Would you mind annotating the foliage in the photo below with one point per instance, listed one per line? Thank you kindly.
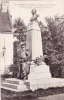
(20, 29)
(19, 32)
(3, 76)
(38, 60)
(53, 41)
(14, 69)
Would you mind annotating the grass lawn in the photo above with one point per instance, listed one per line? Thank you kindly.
(30, 95)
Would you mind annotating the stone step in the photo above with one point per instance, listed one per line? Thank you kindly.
(9, 85)
(14, 87)
(15, 84)
(15, 90)
(18, 82)
(14, 81)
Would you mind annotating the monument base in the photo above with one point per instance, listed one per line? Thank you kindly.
(38, 72)
(20, 85)
(40, 77)
(46, 83)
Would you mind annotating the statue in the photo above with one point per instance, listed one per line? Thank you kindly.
(34, 15)
(33, 38)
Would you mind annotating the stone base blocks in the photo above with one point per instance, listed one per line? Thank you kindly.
(40, 77)
(46, 83)
(15, 85)
(38, 72)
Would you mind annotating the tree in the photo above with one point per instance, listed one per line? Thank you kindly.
(53, 43)
(57, 30)
(19, 32)
(20, 29)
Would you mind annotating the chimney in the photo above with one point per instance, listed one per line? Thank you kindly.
(5, 5)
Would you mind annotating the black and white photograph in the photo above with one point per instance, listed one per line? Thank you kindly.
(31, 50)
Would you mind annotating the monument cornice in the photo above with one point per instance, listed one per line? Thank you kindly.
(33, 29)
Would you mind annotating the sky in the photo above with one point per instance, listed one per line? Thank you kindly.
(45, 8)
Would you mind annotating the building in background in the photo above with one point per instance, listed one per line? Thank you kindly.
(6, 37)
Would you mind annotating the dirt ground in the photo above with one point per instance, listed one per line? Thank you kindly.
(40, 94)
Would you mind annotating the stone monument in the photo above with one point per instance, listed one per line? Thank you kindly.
(34, 42)
(34, 45)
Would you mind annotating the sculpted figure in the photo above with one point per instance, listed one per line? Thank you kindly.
(34, 15)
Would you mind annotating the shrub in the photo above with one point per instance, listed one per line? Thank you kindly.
(3, 76)
(14, 69)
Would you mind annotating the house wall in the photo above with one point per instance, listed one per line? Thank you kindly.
(6, 59)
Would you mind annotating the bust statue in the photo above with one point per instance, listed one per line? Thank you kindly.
(34, 15)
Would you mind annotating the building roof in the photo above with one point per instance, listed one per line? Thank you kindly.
(5, 23)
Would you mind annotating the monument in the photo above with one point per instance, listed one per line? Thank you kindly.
(34, 45)
(34, 42)
(40, 76)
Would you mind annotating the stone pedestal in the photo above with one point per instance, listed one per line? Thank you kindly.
(40, 77)
(38, 74)
(34, 41)
(41, 71)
